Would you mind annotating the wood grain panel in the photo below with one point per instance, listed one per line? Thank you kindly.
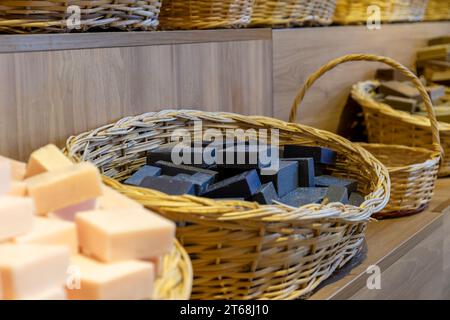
(47, 96)
(416, 275)
(70, 41)
(299, 52)
(390, 240)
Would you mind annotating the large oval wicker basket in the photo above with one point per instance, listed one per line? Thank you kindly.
(36, 16)
(239, 249)
(413, 170)
(356, 11)
(205, 14)
(277, 13)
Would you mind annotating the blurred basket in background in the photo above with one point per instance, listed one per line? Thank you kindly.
(437, 10)
(275, 13)
(409, 148)
(205, 14)
(35, 16)
(357, 12)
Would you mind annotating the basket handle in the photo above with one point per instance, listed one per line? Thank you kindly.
(369, 57)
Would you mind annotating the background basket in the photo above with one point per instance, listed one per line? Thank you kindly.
(437, 10)
(36, 16)
(355, 11)
(389, 126)
(278, 13)
(413, 170)
(205, 14)
(243, 250)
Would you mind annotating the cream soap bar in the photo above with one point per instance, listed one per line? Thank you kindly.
(124, 280)
(5, 176)
(28, 270)
(18, 169)
(122, 234)
(69, 213)
(48, 158)
(64, 187)
(18, 189)
(112, 199)
(51, 232)
(16, 216)
(57, 293)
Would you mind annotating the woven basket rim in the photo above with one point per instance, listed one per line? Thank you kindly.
(376, 200)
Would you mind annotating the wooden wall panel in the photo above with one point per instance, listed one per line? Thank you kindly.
(299, 52)
(47, 96)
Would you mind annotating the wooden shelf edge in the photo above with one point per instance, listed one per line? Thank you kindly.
(411, 231)
(73, 41)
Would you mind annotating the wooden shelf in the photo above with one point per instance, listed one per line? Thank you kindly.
(71, 41)
(387, 241)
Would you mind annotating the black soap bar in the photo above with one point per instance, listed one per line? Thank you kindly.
(319, 154)
(337, 194)
(302, 196)
(246, 157)
(145, 171)
(305, 171)
(285, 179)
(399, 89)
(328, 181)
(191, 156)
(244, 185)
(200, 180)
(356, 199)
(266, 194)
(171, 169)
(400, 103)
(169, 185)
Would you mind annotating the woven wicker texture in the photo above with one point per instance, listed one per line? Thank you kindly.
(243, 250)
(390, 126)
(413, 171)
(437, 10)
(292, 13)
(205, 14)
(355, 12)
(36, 16)
(175, 283)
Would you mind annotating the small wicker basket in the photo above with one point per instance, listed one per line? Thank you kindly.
(413, 170)
(205, 14)
(437, 10)
(35, 16)
(389, 126)
(356, 12)
(276, 13)
(239, 249)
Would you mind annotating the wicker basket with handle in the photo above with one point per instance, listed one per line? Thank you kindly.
(356, 12)
(276, 13)
(413, 170)
(37, 16)
(239, 249)
(205, 14)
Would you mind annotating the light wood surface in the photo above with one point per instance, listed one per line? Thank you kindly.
(48, 96)
(45, 42)
(299, 52)
(408, 250)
